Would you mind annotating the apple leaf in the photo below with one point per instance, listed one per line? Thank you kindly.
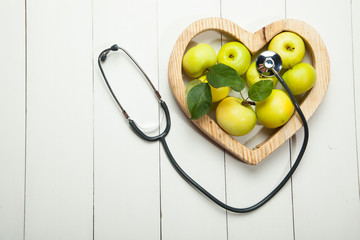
(260, 90)
(191, 84)
(199, 100)
(221, 75)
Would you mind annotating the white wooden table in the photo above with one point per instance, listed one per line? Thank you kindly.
(71, 168)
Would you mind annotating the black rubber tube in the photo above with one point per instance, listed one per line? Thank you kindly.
(273, 192)
(162, 136)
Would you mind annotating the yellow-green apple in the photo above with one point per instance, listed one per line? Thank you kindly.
(235, 55)
(198, 59)
(300, 78)
(253, 76)
(275, 110)
(235, 118)
(217, 94)
(290, 47)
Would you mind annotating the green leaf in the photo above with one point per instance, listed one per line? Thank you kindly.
(199, 100)
(221, 75)
(260, 90)
(191, 84)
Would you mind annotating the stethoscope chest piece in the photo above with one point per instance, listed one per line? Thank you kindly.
(267, 62)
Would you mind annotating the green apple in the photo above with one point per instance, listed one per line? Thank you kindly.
(235, 118)
(275, 110)
(253, 76)
(217, 94)
(290, 47)
(198, 59)
(235, 55)
(300, 78)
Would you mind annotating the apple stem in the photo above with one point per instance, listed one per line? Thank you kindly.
(246, 102)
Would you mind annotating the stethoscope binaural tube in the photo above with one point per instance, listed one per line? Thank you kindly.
(268, 64)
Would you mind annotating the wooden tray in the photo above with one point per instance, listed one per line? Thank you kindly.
(254, 42)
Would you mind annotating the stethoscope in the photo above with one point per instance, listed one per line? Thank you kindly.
(268, 64)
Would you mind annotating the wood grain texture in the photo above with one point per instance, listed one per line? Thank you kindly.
(254, 42)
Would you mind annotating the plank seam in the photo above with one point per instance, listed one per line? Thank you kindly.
(159, 120)
(224, 154)
(354, 92)
(25, 122)
(93, 119)
(291, 162)
(292, 190)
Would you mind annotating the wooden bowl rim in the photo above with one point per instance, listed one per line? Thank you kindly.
(254, 42)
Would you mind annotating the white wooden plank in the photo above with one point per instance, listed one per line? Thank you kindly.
(247, 185)
(355, 6)
(12, 120)
(186, 214)
(59, 192)
(127, 189)
(326, 196)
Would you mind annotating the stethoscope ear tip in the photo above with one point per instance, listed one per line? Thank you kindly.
(114, 47)
(105, 52)
(103, 57)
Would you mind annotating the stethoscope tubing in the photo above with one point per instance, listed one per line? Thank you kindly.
(197, 186)
(161, 137)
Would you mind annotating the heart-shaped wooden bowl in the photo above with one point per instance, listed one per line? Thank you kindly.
(254, 42)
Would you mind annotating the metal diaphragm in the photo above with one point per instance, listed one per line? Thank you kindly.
(267, 62)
